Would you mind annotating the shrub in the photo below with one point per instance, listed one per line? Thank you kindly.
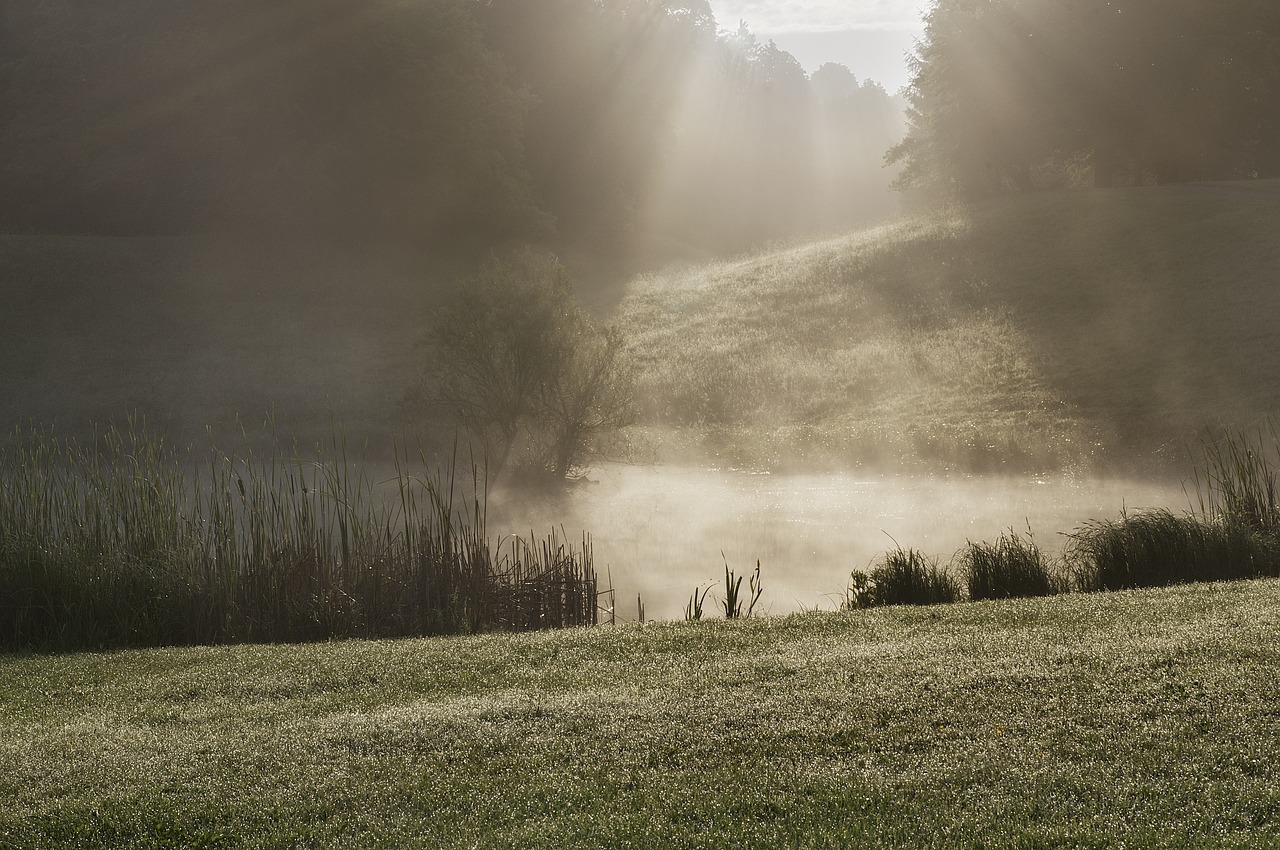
(901, 577)
(1007, 568)
(1155, 548)
(523, 369)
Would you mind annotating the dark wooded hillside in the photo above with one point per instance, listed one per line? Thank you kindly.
(1022, 94)
(610, 128)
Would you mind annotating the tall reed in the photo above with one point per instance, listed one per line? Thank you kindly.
(1156, 548)
(1236, 479)
(901, 577)
(1010, 567)
(125, 541)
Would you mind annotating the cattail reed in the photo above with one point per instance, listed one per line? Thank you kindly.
(125, 541)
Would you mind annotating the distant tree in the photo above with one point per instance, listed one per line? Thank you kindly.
(607, 77)
(981, 98)
(601, 127)
(651, 129)
(833, 83)
(761, 152)
(522, 368)
(853, 125)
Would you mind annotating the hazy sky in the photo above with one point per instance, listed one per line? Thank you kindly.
(869, 36)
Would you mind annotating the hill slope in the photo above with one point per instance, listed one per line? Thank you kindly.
(1057, 329)
(1065, 328)
(1142, 719)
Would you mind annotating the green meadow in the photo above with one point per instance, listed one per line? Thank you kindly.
(1134, 719)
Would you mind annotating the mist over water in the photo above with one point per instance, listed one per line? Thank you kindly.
(659, 531)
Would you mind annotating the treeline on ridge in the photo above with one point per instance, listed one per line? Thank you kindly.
(1025, 94)
(615, 124)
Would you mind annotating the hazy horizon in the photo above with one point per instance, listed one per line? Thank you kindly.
(871, 38)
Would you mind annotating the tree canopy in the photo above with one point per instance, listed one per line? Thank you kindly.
(515, 362)
(330, 116)
(610, 124)
(1016, 94)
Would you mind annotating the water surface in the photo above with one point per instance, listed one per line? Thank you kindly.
(660, 531)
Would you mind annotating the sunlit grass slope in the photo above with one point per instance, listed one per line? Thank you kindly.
(1062, 328)
(1137, 719)
(198, 331)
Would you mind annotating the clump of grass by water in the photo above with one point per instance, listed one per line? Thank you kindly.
(1236, 480)
(125, 541)
(901, 577)
(693, 609)
(1013, 566)
(1234, 535)
(1156, 548)
(734, 598)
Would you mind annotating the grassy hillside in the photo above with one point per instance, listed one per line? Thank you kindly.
(1141, 719)
(193, 332)
(1063, 328)
(1085, 328)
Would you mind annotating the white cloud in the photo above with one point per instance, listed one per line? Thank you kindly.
(776, 16)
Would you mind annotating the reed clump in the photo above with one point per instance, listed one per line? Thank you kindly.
(1156, 548)
(1236, 480)
(125, 541)
(901, 577)
(1232, 533)
(1011, 567)
(733, 596)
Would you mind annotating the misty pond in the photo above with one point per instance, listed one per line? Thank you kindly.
(659, 531)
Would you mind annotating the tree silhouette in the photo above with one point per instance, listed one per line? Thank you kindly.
(1147, 90)
(524, 371)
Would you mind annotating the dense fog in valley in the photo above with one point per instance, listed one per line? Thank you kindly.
(687, 277)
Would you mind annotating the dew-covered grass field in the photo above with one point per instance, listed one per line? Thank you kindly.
(1135, 719)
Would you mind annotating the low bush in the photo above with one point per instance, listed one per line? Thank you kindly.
(901, 577)
(1156, 548)
(1012, 566)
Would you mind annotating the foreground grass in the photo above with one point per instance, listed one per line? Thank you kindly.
(1135, 719)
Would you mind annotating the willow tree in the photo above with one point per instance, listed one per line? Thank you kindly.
(516, 363)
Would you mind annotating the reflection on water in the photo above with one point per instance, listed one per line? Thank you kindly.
(659, 531)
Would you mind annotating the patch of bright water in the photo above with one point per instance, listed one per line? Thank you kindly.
(659, 531)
